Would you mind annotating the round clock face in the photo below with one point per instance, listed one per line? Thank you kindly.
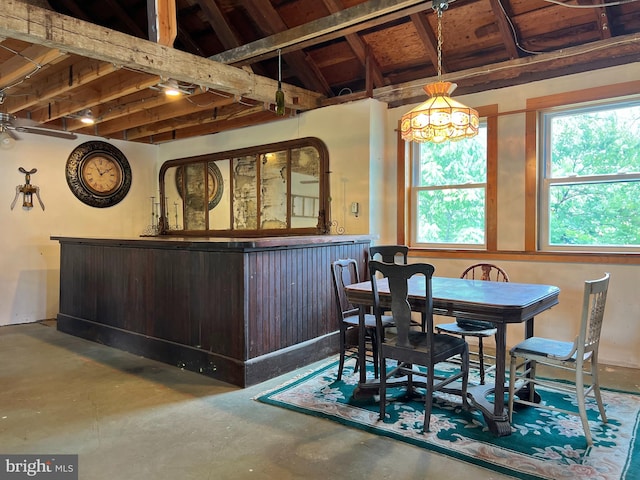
(101, 174)
(214, 181)
(98, 174)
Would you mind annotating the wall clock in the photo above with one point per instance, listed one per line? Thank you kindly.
(214, 181)
(98, 174)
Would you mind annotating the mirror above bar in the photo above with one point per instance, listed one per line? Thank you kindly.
(269, 190)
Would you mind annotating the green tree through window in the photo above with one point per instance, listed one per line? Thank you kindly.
(449, 192)
(591, 178)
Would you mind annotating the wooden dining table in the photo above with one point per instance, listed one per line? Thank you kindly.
(501, 303)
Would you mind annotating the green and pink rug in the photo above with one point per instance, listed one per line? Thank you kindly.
(543, 444)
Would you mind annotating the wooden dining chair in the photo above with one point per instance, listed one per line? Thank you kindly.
(479, 329)
(393, 254)
(345, 272)
(580, 357)
(412, 347)
(389, 253)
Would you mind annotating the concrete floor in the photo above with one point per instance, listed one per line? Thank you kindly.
(136, 419)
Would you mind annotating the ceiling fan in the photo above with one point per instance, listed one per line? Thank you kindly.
(10, 124)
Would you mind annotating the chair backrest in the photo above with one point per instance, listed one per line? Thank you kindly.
(485, 271)
(344, 272)
(398, 277)
(388, 253)
(595, 298)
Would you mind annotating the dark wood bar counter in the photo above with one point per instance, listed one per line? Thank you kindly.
(241, 310)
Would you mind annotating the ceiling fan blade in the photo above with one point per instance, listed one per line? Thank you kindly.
(23, 122)
(48, 132)
(9, 132)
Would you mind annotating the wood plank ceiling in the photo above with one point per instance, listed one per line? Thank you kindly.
(60, 57)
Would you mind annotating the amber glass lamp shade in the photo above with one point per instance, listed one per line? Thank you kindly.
(440, 118)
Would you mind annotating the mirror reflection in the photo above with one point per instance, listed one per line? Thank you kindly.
(276, 189)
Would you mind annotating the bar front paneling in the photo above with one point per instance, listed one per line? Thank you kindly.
(239, 310)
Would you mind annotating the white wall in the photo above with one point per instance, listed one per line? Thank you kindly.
(30, 261)
(361, 139)
(345, 129)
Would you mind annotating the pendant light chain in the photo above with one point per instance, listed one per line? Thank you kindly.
(440, 118)
(439, 45)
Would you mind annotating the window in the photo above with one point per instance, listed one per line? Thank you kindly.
(590, 178)
(449, 193)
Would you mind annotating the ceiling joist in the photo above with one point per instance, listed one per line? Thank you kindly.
(608, 52)
(36, 25)
(55, 59)
(318, 29)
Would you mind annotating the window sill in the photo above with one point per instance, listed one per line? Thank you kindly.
(557, 257)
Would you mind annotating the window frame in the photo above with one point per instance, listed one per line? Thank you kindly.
(417, 189)
(488, 116)
(535, 160)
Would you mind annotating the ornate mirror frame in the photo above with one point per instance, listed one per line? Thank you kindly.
(277, 189)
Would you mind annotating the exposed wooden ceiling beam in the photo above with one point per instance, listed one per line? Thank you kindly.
(219, 24)
(146, 114)
(70, 74)
(168, 110)
(337, 22)
(602, 17)
(37, 25)
(428, 38)
(27, 63)
(222, 124)
(264, 14)
(125, 18)
(359, 48)
(224, 111)
(598, 54)
(162, 21)
(120, 82)
(501, 9)
(221, 27)
(126, 106)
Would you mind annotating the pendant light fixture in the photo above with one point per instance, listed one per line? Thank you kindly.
(279, 92)
(440, 118)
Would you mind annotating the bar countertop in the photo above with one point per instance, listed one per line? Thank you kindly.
(215, 243)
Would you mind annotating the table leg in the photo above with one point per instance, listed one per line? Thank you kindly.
(493, 411)
(501, 353)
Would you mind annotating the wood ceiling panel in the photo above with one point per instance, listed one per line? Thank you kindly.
(383, 47)
(301, 12)
(519, 7)
(397, 47)
(627, 20)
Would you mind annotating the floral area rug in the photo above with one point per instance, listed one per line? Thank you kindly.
(544, 444)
